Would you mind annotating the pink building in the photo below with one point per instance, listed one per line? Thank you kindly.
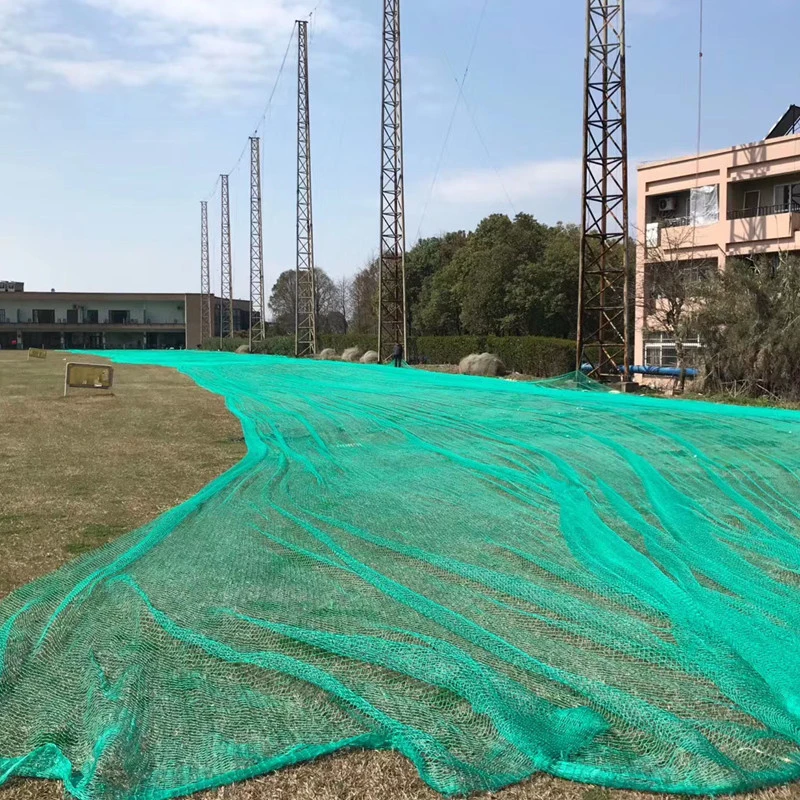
(732, 203)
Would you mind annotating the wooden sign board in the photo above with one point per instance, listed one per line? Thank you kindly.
(35, 352)
(88, 376)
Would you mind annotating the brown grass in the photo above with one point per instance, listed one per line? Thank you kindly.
(75, 473)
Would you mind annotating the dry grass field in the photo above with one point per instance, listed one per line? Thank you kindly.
(76, 472)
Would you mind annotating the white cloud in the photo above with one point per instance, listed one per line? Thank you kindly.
(208, 48)
(526, 182)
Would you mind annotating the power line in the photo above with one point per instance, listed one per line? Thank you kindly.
(267, 107)
(461, 97)
(700, 83)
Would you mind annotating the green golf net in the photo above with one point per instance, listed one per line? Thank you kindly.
(492, 578)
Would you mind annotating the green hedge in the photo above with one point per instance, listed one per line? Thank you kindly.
(529, 355)
(534, 355)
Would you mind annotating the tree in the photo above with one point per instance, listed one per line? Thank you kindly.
(544, 293)
(344, 288)
(327, 303)
(507, 278)
(671, 292)
(750, 328)
(428, 258)
(283, 302)
(364, 299)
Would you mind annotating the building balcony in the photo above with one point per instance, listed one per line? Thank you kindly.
(91, 327)
(764, 211)
(678, 233)
(763, 224)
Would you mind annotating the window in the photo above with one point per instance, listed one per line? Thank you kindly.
(752, 200)
(44, 316)
(660, 351)
(787, 197)
(678, 278)
(119, 317)
(92, 317)
(2, 315)
(72, 316)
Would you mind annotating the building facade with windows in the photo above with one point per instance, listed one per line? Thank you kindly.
(77, 321)
(697, 212)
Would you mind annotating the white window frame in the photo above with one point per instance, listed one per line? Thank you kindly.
(655, 347)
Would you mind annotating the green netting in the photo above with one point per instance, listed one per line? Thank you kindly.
(493, 578)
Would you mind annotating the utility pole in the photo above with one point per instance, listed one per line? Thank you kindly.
(257, 317)
(226, 266)
(206, 331)
(392, 326)
(604, 291)
(306, 294)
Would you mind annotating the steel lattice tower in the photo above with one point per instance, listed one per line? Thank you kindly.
(257, 316)
(306, 335)
(392, 282)
(226, 266)
(604, 293)
(206, 330)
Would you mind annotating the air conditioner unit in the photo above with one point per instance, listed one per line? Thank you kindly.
(668, 204)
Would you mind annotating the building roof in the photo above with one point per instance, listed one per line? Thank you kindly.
(787, 125)
(111, 297)
(75, 297)
(709, 153)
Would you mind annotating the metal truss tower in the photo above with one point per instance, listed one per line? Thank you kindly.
(306, 294)
(604, 292)
(392, 327)
(226, 266)
(206, 329)
(257, 315)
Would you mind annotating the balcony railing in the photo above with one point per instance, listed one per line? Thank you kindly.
(99, 323)
(765, 211)
(675, 222)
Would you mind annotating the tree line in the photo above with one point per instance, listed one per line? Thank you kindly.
(506, 278)
(519, 277)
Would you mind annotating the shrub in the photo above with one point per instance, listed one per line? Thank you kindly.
(530, 355)
(534, 355)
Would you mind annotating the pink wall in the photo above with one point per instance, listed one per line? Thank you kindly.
(729, 169)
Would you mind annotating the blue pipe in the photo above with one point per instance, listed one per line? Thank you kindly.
(661, 372)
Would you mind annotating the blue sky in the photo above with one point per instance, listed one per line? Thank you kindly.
(116, 116)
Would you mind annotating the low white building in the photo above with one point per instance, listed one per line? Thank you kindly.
(59, 320)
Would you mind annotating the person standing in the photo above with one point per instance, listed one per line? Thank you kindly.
(398, 355)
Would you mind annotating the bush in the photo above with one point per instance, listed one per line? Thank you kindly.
(534, 355)
(444, 349)
(530, 355)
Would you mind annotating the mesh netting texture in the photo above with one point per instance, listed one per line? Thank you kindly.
(493, 578)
